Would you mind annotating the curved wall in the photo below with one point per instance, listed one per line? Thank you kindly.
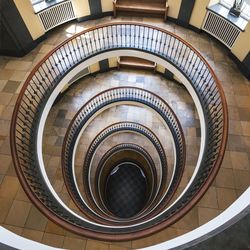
(199, 12)
(30, 19)
(241, 47)
(186, 13)
(81, 8)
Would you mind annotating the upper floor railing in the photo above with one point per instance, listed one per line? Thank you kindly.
(103, 100)
(40, 88)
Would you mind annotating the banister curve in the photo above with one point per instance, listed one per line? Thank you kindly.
(44, 78)
(103, 100)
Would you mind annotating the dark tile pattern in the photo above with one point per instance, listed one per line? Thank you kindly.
(126, 191)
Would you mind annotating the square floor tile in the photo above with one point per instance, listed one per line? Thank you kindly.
(18, 213)
(11, 86)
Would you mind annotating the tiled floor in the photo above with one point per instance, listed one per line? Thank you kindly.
(62, 112)
(20, 216)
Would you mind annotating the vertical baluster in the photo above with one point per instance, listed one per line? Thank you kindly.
(143, 37)
(104, 39)
(169, 46)
(62, 58)
(113, 36)
(90, 42)
(161, 43)
(48, 71)
(182, 55)
(97, 39)
(52, 65)
(176, 54)
(58, 62)
(187, 60)
(78, 47)
(67, 52)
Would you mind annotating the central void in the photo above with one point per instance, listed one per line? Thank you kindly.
(126, 191)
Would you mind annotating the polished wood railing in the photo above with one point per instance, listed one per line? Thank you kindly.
(122, 127)
(115, 96)
(44, 79)
(127, 152)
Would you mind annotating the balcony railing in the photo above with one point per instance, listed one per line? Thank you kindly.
(118, 128)
(44, 83)
(105, 100)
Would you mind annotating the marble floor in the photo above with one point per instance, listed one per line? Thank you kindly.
(20, 216)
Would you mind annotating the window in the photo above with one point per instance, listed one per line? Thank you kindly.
(245, 12)
(39, 5)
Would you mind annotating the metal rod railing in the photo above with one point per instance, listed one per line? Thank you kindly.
(44, 78)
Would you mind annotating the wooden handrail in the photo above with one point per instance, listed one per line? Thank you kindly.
(120, 126)
(103, 170)
(164, 111)
(29, 105)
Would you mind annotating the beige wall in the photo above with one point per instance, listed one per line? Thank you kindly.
(241, 46)
(112, 62)
(30, 19)
(160, 68)
(81, 8)
(94, 68)
(199, 13)
(107, 5)
(174, 7)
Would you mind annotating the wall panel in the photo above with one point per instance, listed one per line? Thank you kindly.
(95, 7)
(30, 19)
(174, 7)
(107, 5)
(185, 12)
(241, 46)
(81, 8)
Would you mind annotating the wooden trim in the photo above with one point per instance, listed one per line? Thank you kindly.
(143, 7)
(134, 62)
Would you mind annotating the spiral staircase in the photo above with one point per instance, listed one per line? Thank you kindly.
(129, 191)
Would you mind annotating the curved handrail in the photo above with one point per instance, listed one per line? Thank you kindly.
(103, 170)
(122, 127)
(44, 78)
(104, 100)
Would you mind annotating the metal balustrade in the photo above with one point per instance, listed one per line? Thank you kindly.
(104, 169)
(119, 128)
(135, 128)
(113, 97)
(42, 83)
